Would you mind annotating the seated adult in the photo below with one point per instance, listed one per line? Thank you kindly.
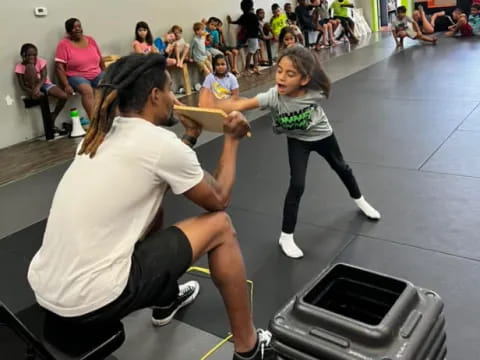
(437, 22)
(79, 63)
(340, 12)
(102, 255)
(461, 26)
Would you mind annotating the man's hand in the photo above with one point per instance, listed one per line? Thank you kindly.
(236, 125)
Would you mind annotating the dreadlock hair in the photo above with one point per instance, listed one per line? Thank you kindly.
(308, 64)
(25, 48)
(127, 83)
(148, 38)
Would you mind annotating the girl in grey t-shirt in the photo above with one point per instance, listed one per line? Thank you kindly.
(295, 106)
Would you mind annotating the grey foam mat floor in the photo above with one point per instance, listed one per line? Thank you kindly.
(411, 138)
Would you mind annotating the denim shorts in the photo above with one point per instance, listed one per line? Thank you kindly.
(253, 45)
(45, 88)
(76, 81)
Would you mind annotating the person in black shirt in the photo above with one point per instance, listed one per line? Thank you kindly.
(292, 17)
(305, 19)
(248, 34)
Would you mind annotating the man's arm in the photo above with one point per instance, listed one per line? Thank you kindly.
(213, 192)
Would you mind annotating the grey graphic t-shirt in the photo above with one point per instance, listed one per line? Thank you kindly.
(301, 118)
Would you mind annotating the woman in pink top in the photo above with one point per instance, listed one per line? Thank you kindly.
(33, 79)
(79, 63)
(143, 43)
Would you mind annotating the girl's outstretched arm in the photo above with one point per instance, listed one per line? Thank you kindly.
(208, 100)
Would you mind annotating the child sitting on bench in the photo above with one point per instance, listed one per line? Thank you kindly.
(33, 79)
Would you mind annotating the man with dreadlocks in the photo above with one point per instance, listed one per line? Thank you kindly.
(101, 257)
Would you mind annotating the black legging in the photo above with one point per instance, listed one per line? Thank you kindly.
(298, 153)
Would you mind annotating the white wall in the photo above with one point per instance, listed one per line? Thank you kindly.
(366, 5)
(110, 22)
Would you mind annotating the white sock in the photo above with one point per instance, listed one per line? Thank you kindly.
(367, 209)
(289, 247)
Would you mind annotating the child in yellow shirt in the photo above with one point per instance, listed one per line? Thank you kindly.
(279, 21)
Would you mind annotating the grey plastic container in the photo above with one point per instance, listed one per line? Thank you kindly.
(350, 313)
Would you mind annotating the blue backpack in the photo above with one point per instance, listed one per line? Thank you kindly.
(160, 45)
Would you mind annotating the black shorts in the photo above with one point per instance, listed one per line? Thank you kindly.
(157, 263)
(442, 23)
(345, 20)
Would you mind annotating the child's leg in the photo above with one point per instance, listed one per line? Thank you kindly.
(325, 34)
(261, 44)
(171, 62)
(330, 34)
(61, 97)
(248, 61)
(255, 65)
(209, 66)
(435, 16)
(298, 153)
(319, 38)
(186, 54)
(335, 24)
(205, 69)
(178, 56)
(328, 148)
(401, 36)
(428, 28)
(235, 53)
(231, 61)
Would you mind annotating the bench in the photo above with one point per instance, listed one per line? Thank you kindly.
(48, 125)
(46, 340)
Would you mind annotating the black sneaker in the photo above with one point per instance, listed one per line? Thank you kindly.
(161, 316)
(263, 351)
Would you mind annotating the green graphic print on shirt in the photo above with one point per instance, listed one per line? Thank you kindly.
(298, 120)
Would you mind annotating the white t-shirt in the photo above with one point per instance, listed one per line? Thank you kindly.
(101, 208)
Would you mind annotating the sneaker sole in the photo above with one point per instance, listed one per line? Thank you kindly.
(167, 320)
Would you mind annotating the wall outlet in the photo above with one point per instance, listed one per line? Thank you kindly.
(41, 11)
